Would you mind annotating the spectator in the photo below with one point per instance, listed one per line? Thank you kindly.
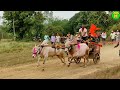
(46, 40)
(58, 38)
(99, 36)
(104, 36)
(112, 35)
(117, 35)
(53, 39)
(71, 37)
(118, 42)
(68, 35)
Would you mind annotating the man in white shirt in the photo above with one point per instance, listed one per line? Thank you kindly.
(57, 38)
(118, 42)
(83, 32)
(112, 35)
(104, 36)
(117, 35)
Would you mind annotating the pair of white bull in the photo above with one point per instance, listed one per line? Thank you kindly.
(73, 51)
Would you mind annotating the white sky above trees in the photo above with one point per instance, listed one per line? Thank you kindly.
(60, 14)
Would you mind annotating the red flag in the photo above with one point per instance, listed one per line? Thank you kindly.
(93, 28)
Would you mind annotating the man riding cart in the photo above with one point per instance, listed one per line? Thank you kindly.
(94, 44)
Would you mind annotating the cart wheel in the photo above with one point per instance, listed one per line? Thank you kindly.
(96, 59)
(77, 60)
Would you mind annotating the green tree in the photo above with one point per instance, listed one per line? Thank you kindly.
(55, 25)
(99, 18)
(24, 22)
(3, 32)
(38, 23)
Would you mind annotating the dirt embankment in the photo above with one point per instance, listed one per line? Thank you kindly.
(109, 73)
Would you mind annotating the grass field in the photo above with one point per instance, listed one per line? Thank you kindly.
(14, 53)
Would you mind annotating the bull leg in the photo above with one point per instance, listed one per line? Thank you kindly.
(38, 62)
(60, 59)
(44, 63)
(119, 52)
(70, 62)
(87, 59)
(64, 60)
(87, 56)
(84, 62)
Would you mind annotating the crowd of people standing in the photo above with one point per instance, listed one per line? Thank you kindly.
(81, 34)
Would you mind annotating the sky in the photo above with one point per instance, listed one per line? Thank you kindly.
(64, 14)
(60, 14)
(1, 14)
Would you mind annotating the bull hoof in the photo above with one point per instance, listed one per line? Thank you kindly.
(43, 69)
(64, 64)
(87, 63)
(68, 65)
(38, 65)
(84, 66)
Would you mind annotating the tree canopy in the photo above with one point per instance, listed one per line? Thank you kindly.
(25, 22)
(30, 23)
(86, 18)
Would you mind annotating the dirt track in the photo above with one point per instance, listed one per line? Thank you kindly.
(54, 69)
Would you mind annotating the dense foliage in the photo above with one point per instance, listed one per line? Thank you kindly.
(27, 23)
(86, 18)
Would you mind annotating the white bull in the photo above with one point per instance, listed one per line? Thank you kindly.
(48, 51)
(80, 50)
